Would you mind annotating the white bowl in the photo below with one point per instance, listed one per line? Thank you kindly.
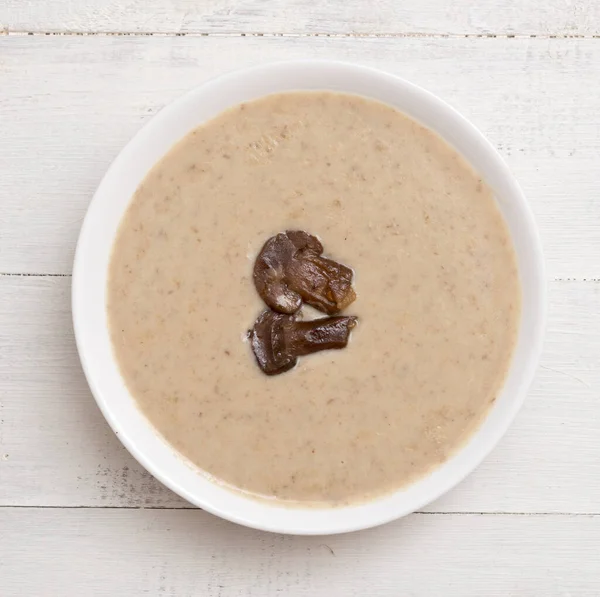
(92, 260)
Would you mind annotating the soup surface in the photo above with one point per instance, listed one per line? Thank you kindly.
(438, 298)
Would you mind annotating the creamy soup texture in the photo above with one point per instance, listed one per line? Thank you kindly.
(438, 298)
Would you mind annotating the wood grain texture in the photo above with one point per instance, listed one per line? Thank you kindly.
(479, 17)
(190, 553)
(57, 450)
(69, 104)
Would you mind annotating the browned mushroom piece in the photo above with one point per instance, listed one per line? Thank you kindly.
(278, 340)
(290, 269)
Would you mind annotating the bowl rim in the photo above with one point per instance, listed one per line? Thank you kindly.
(214, 497)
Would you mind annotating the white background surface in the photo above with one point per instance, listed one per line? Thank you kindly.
(78, 516)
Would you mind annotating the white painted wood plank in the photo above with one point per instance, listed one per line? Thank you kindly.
(68, 105)
(57, 450)
(562, 17)
(190, 553)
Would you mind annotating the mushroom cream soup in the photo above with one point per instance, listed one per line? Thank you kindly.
(431, 317)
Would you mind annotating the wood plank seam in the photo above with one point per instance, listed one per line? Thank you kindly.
(6, 31)
(417, 512)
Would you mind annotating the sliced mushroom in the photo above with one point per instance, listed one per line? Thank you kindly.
(278, 340)
(290, 269)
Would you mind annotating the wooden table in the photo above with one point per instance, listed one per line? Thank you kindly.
(78, 516)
